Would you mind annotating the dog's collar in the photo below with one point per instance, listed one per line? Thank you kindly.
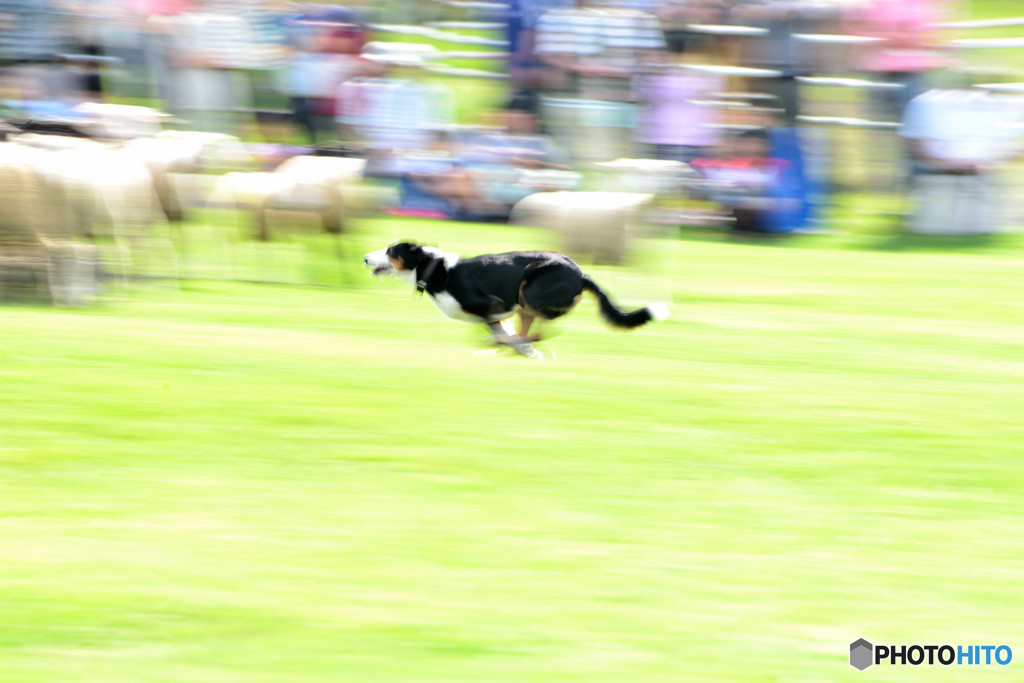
(428, 272)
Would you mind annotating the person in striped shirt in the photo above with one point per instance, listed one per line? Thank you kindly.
(596, 52)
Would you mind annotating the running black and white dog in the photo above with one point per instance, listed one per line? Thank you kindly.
(492, 288)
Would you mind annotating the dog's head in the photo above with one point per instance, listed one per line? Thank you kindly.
(398, 259)
(403, 258)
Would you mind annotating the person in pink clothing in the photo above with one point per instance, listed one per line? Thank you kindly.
(905, 51)
(678, 118)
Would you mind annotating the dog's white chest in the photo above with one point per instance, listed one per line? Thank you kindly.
(447, 304)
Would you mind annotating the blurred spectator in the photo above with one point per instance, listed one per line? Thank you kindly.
(679, 117)
(650, 6)
(30, 31)
(904, 52)
(271, 21)
(325, 55)
(678, 17)
(31, 35)
(529, 75)
(959, 138)
(211, 48)
(778, 50)
(392, 112)
(494, 170)
(22, 96)
(429, 182)
(758, 182)
(595, 54)
(87, 24)
(507, 165)
(112, 33)
(158, 27)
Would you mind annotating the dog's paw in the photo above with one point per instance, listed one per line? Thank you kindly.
(528, 350)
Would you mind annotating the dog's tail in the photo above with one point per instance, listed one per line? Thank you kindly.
(619, 318)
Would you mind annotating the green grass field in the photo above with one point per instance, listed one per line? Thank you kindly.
(244, 482)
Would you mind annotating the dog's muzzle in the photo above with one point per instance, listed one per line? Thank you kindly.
(378, 260)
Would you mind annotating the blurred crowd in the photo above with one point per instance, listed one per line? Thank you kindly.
(742, 99)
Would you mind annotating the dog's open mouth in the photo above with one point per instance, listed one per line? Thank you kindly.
(380, 270)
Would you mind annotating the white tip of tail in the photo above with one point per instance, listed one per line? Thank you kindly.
(658, 311)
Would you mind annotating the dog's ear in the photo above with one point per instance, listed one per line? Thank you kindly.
(404, 249)
(409, 254)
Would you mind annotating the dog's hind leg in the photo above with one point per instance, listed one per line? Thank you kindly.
(525, 320)
(549, 290)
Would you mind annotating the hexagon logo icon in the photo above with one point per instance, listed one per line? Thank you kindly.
(861, 654)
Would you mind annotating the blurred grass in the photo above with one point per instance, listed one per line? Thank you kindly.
(240, 482)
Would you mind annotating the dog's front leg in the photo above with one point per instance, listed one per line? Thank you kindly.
(506, 336)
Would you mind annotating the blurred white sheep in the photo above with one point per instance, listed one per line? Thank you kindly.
(32, 248)
(593, 226)
(307, 184)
